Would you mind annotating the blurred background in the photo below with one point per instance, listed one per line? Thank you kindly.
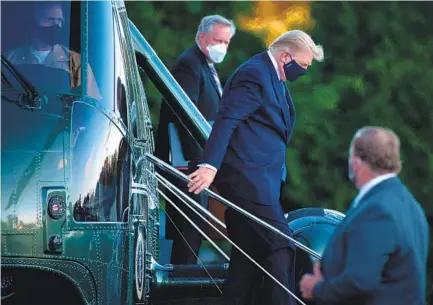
(378, 70)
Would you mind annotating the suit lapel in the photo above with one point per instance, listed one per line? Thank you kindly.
(290, 105)
(283, 103)
(276, 83)
(292, 111)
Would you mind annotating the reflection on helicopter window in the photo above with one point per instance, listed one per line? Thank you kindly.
(100, 167)
(100, 40)
(121, 88)
(133, 116)
(47, 46)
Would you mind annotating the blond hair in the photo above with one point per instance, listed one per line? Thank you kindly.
(295, 41)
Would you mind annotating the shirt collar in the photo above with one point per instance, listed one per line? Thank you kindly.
(370, 184)
(208, 61)
(274, 63)
(58, 52)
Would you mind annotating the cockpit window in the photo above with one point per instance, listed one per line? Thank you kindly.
(59, 48)
(100, 47)
(43, 47)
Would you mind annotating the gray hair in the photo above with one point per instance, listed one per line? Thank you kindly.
(207, 23)
(297, 40)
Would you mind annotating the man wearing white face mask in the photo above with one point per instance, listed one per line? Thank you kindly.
(195, 72)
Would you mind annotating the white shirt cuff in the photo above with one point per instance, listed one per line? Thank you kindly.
(208, 166)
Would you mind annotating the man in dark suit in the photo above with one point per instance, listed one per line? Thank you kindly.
(378, 254)
(247, 147)
(195, 72)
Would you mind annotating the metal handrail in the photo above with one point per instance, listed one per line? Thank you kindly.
(167, 168)
(222, 234)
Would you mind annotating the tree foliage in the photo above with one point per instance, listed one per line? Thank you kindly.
(374, 74)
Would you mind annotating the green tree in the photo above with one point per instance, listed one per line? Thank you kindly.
(376, 72)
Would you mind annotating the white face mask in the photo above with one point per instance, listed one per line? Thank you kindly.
(217, 52)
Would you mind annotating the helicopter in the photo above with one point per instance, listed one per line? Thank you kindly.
(80, 201)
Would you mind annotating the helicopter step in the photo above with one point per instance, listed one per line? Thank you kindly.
(214, 270)
(184, 281)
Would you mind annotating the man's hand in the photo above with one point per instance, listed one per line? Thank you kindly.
(308, 282)
(201, 179)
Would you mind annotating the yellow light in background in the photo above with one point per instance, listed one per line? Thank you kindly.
(270, 19)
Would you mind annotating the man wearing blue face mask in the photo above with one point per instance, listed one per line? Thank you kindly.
(195, 72)
(246, 154)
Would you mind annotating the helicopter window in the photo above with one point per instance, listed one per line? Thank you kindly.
(41, 42)
(63, 47)
(101, 48)
(100, 167)
(45, 45)
(121, 101)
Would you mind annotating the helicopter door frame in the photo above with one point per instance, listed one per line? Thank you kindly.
(141, 199)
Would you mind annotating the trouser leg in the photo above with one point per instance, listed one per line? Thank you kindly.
(280, 264)
(242, 273)
(268, 249)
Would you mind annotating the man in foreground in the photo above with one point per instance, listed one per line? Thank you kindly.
(247, 147)
(378, 254)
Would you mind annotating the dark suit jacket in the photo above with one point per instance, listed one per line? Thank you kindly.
(378, 254)
(193, 74)
(249, 137)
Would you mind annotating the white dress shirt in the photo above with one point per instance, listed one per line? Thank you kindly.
(274, 63)
(369, 185)
(41, 56)
(278, 73)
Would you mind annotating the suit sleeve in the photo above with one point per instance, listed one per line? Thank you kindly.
(189, 79)
(242, 99)
(369, 240)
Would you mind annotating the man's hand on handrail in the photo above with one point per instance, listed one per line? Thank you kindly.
(200, 179)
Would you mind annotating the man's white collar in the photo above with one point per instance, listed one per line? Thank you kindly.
(274, 63)
(369, 185)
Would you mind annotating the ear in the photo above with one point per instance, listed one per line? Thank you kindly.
(201, 37)
(285, 57)
(200, 40)
(356, 162)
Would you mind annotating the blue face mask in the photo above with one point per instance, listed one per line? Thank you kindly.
(292, 70)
